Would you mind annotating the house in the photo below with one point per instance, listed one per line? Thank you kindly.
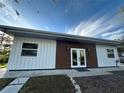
(36, 49)
(121, 52)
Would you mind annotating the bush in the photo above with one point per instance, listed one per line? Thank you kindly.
(4, 56)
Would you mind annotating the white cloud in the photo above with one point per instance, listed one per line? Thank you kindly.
(99, 26)
(112, 33)
(116, 36)
(8, 16)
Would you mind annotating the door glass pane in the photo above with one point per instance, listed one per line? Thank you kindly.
(74, 57)
(82, 60)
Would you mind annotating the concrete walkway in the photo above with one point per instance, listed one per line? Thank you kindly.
(69, 72)
(2, 72)
(14, 86)
(77, 87)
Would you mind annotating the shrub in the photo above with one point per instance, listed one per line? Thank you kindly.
(4, 56)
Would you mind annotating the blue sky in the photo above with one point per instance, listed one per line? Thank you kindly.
(93, 18)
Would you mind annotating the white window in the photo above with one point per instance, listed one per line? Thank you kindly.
(29, 49)
(110, 53)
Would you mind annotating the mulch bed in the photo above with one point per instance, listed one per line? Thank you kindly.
(48, 84)
(102, 84)
(4, 82)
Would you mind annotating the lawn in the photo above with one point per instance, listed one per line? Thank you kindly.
(3, 65)
(4, 82)
(48, 84)
(102, 84)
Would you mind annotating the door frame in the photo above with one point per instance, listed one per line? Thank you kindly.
(78, 56)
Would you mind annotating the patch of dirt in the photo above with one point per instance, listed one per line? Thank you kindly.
(102, 84)
(48, 84)
(4, 82)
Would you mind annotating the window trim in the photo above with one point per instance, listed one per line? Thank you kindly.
(110, 53)
(29, 49)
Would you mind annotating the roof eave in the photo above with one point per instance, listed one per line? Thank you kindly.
(23, 32)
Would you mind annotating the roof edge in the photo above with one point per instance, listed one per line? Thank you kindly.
(63, 35)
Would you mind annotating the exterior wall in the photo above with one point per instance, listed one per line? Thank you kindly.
(63, 57)
(45, 58)
(103, 60)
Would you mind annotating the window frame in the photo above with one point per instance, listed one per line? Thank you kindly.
(29, 49)
(110, 53)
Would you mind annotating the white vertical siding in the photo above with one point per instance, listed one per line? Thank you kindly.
(102, 57)
(45, 59)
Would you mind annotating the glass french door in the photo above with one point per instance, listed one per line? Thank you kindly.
(78, 57)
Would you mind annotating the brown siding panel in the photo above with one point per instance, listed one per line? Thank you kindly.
(63, 57)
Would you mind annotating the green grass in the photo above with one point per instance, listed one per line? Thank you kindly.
(3, 65)
(48, 84)
(4, 82)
